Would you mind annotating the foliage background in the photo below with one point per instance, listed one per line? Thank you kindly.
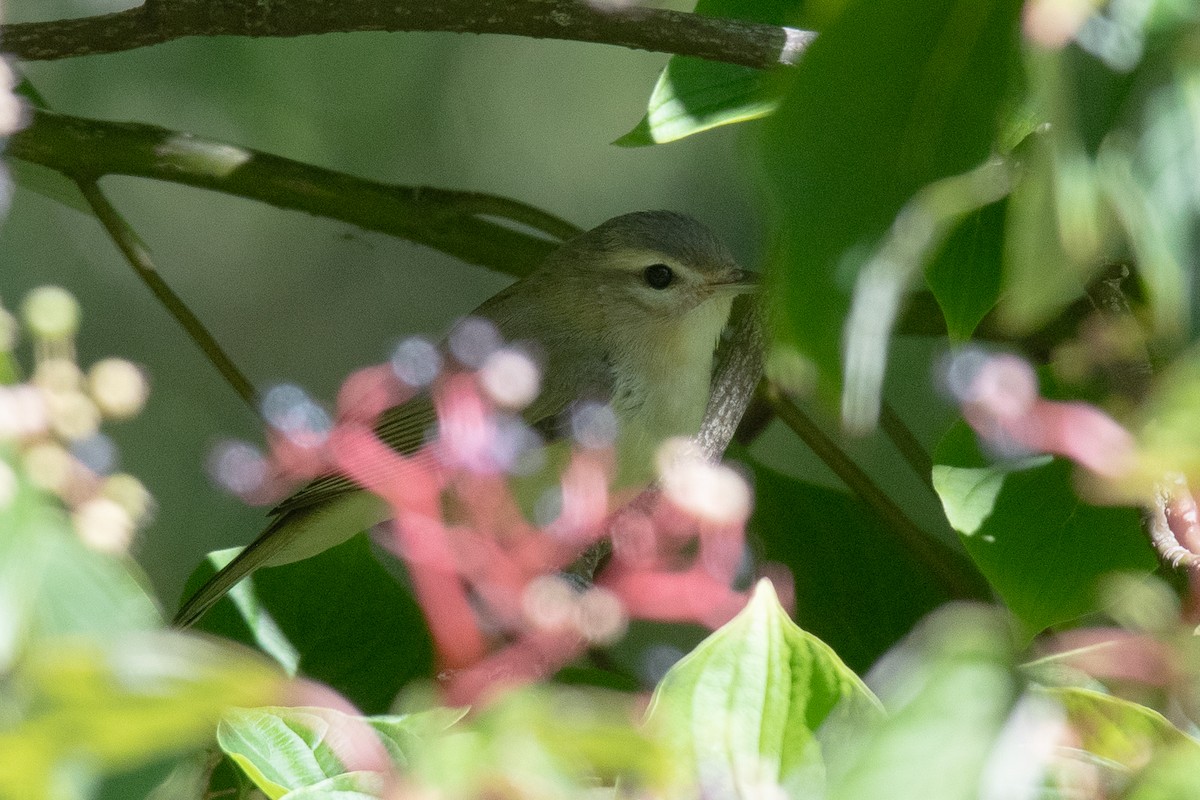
(294, 298)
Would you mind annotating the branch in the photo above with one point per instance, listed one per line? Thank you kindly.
(954, 574)
(455, 223)
(750, 44)
(733, 384)
(139, 258)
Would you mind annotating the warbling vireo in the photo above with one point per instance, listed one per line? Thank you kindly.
(628, 312)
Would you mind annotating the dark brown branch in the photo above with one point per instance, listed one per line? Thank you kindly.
(460, 224)
(156, 21)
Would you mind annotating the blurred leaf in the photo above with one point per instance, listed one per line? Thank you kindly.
(857, 588)
(143, 780)
(48, 183)
(51, 584)
(338, 617)
(1173, 773)
(893, 96)
(965, 275)
(1162, 230)
(1168, 427)
(694, 95)
(403, 735)
(91, 706)
(544, 742)
(948, 690)
(745, 707)
(347, 786)
(1117, 730)
(1054, 235)
(1040, 546)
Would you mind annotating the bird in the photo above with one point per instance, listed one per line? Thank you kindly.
(628, 313)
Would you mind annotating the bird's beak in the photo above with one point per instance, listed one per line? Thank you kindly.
(737, 280)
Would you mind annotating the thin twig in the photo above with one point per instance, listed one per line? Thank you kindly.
(139, 258)
(750, 44)
(906, 444)
(955, 574)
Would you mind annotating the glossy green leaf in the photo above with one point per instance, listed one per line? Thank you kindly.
(1040, 546)
(292, 752)
(894, 96)
(948, 690)
(339, 617)
(282, 749)
(694, 95)
(746, 708)
(965, 275)
(856, 587)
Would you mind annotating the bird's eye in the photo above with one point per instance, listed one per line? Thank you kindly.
(658, 276)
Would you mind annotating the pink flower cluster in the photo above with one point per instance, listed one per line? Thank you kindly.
(496, 589)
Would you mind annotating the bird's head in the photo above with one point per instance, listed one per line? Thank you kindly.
(645, 273)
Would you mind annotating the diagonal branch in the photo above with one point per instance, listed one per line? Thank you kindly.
(457, 223)
(135, 253)
(750, 44)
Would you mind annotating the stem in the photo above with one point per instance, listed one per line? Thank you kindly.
(906, 443)
(136, 254)
(955, 575)
(750, 44)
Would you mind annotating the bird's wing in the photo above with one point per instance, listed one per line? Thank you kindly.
(404, 428)
(333, 508)
(323, 514)
(298, 534)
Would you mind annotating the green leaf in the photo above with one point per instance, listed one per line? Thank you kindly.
(404, 734)
(290, 752)
(1040, 546)
(1174, 773)
(116, 704)
(745, 708)
(282, 749)
(545, 741)
(48, 183)
(965, 275)
(948, 690)
(893, 96)
(1118, 731)
(694, 95)
(857, 588)
(339, 617)
(51, 584)
(348, 786)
